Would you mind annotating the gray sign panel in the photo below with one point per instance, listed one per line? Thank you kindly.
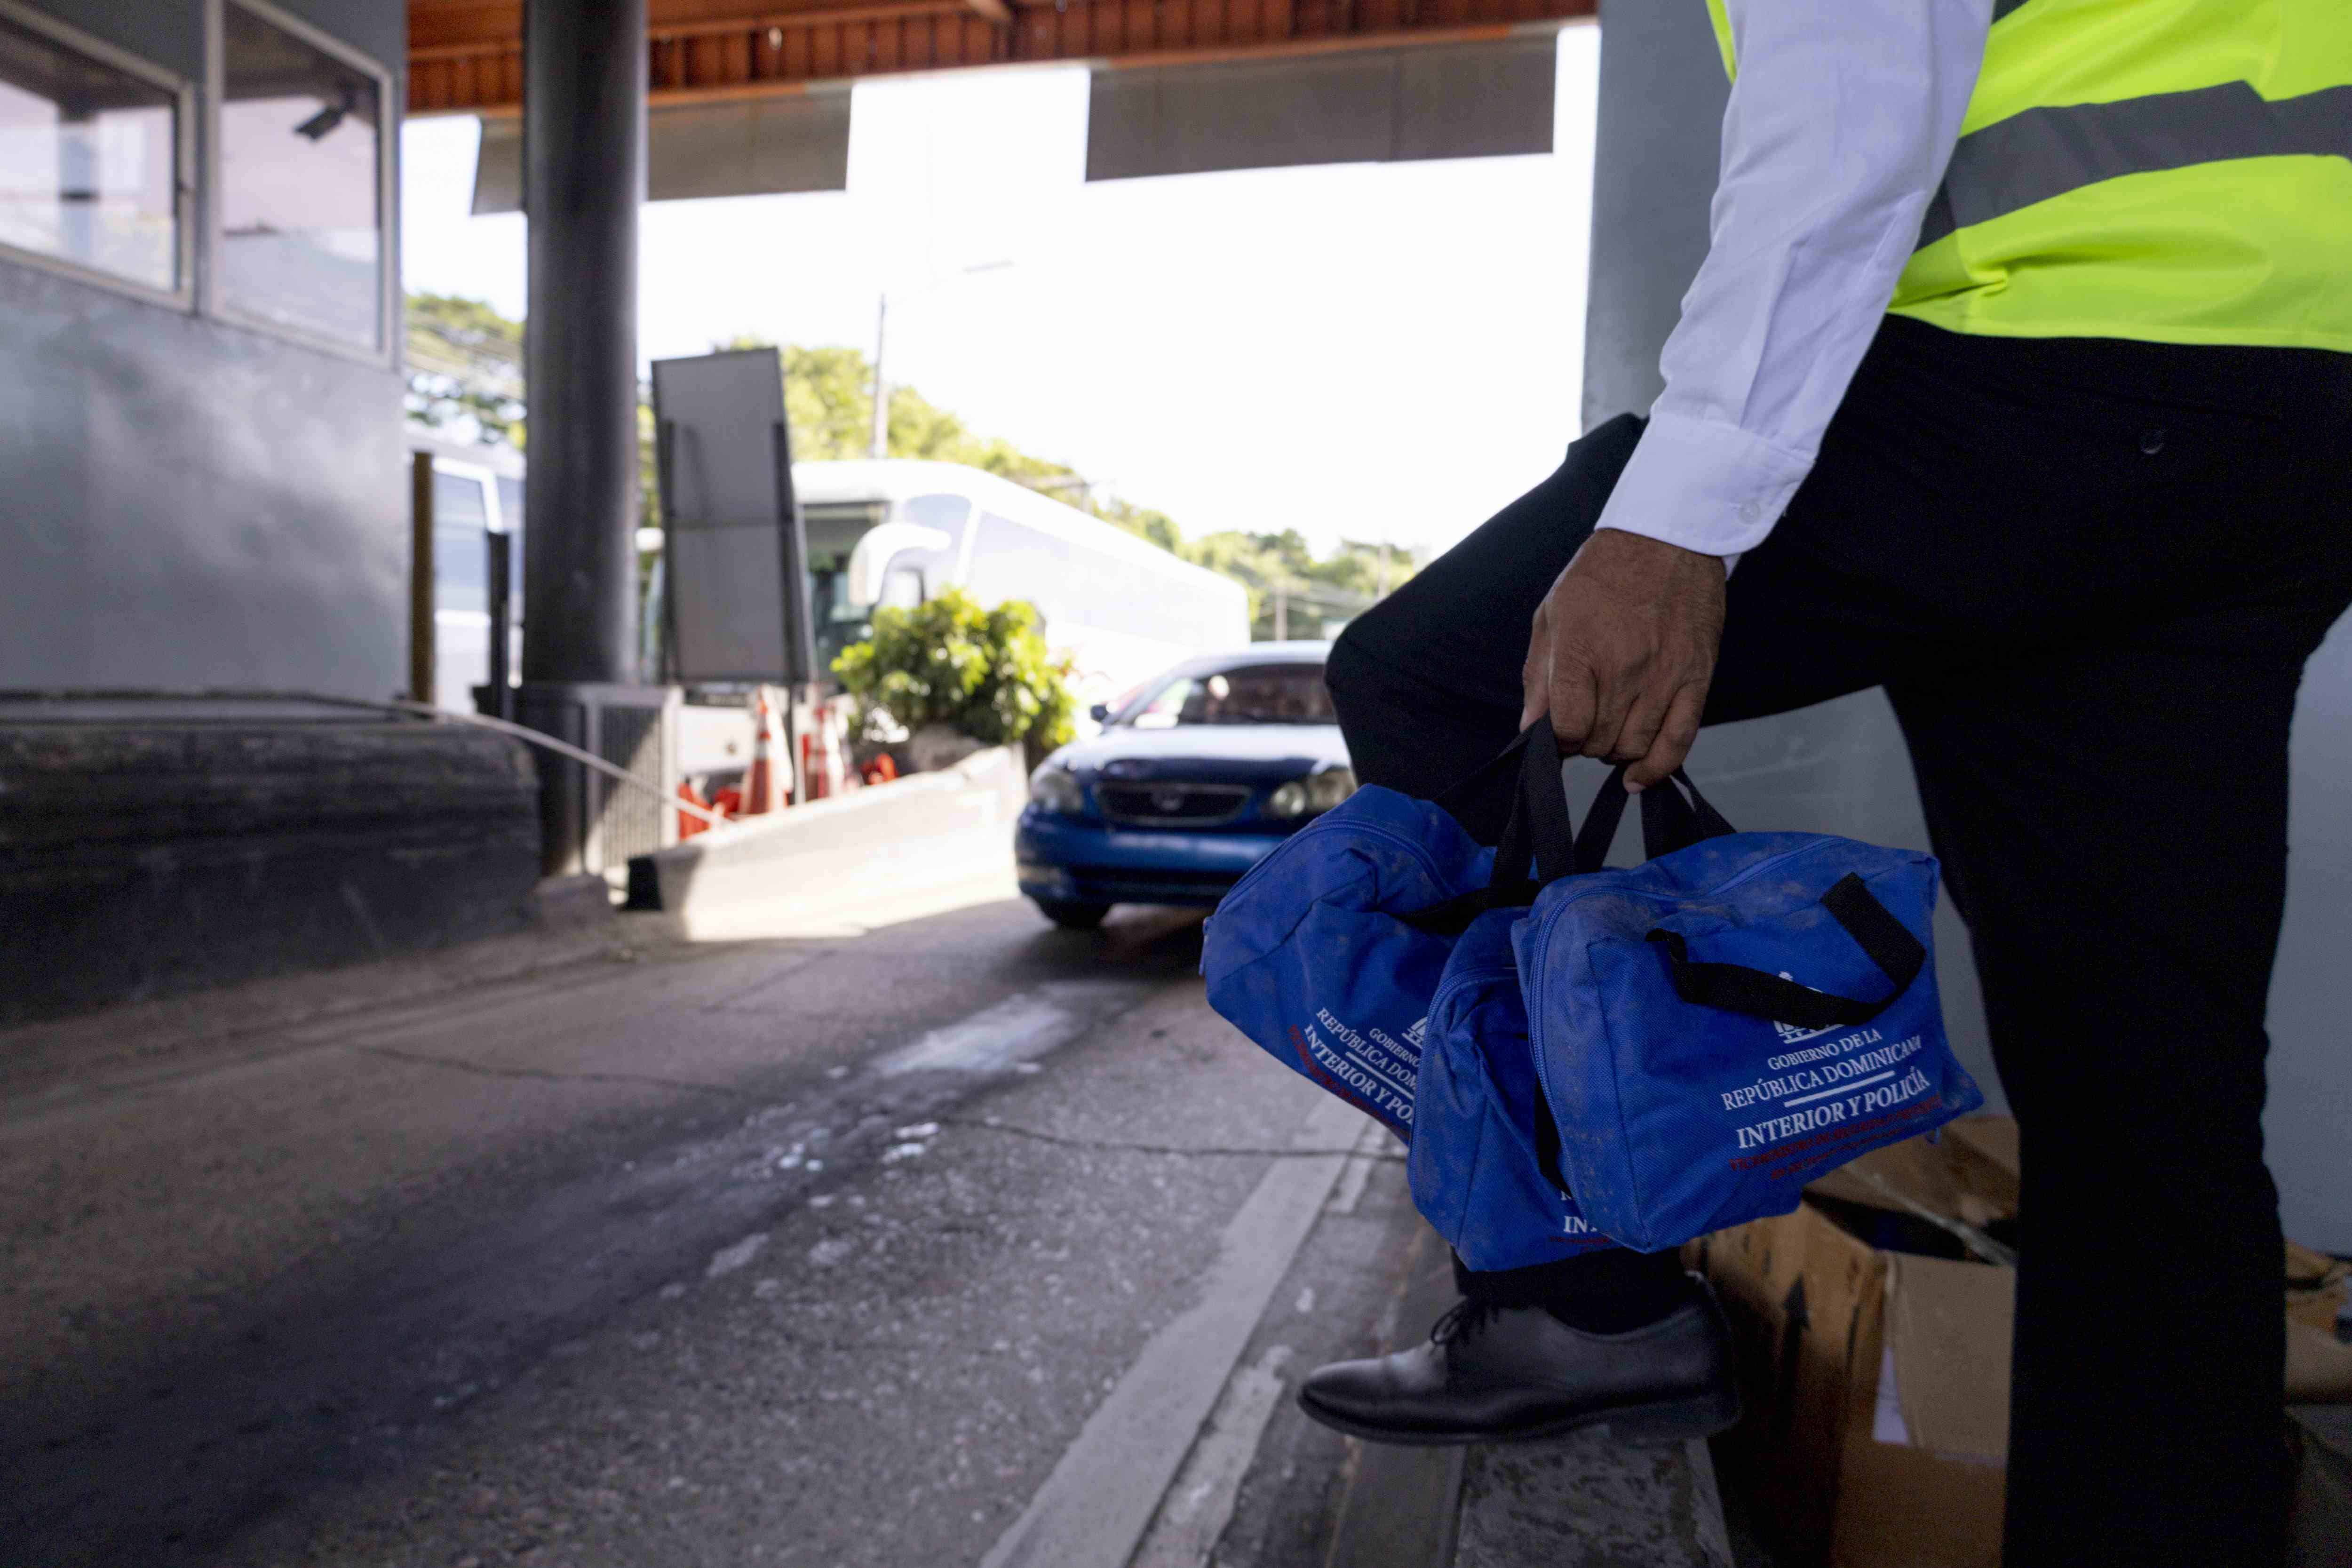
(737, 578)
(766, 147)
(1484, 100)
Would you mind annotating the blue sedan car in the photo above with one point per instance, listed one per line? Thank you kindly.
(1194, 779)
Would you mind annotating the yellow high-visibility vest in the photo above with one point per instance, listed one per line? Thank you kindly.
(2178, 170)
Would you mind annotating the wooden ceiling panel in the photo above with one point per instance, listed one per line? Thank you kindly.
(466, 56)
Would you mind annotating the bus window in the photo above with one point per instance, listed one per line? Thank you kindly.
(461, 568)
(461, 520)
(457, 502)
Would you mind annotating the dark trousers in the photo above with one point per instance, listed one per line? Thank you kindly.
(2088, 575)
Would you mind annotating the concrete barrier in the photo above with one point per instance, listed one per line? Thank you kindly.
(839, 864)
(151, 846)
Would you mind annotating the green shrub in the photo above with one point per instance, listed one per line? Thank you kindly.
(985, 673)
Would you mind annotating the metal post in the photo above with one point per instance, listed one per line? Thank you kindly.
(421, 672)
(584, 162)
(501, 693)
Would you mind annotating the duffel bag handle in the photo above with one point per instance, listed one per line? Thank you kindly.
(1888, 944)
(1669, 822)
(1540, 832)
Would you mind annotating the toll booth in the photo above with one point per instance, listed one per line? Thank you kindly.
(206, 522)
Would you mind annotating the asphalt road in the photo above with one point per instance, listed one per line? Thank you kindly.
(964, 1240)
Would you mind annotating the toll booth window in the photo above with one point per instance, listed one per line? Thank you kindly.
(300, 184)
(89, 160)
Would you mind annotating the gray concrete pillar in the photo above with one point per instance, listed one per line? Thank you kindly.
(584, 162)
(1658, 139)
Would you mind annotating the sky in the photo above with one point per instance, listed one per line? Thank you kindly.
(1364, 350)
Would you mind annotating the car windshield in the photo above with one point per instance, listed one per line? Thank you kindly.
(1250, 694)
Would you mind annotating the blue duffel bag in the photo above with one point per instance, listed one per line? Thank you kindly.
(1717, 1026)
(1484, 1167)
(1316, 955)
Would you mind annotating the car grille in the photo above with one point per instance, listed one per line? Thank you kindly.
(1173, 805)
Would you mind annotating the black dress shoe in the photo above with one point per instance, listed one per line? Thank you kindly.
(1501, 1375)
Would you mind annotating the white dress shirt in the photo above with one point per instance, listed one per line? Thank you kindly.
(1842, 118)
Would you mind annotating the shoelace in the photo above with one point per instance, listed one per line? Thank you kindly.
(1462, 1319)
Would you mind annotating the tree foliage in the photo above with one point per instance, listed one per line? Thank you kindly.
(465, 369)
(1317, 596)
(984, 673)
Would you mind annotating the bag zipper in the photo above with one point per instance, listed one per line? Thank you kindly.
(1463, 981)
(1543, 944)
(1367, 829)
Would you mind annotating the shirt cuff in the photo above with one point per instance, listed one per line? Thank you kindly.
(1705, 485)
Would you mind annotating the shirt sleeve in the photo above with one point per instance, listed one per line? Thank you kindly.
(1842, 116)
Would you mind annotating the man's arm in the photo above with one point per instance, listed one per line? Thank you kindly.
(1842, 119)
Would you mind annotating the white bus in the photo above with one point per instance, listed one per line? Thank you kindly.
(898, 531)
(478, 490)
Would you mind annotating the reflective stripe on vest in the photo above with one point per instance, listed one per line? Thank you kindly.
(2045, 152)
(2173, 170)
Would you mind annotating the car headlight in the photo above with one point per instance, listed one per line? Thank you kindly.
(1330, 787)
(1056, 790)
(1288, 800)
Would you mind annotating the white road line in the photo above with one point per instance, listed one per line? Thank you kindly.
(1375, 1140)
(1824, 1094)
(1100, 1499)
(1200, 1505)
(1015, 1030)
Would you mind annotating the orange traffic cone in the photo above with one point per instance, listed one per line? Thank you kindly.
(761, 793)
(835, 726)
(821, 755)
(688, 823)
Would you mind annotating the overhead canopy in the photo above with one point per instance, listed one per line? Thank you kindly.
(466, 56)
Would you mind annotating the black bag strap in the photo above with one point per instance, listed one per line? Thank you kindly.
(1541, 833)
(1669, 822)
(1899, 954)
(1548, 1144)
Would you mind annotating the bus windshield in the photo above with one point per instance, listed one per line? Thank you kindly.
(1248, 694)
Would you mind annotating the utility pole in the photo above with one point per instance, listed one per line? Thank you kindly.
(877, 443)
(1281, 609)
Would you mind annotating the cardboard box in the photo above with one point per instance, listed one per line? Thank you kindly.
(1878, 1378)
(1874, 1327)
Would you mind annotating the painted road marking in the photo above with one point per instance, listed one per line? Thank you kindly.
(1375, 1140)
(1201, 1504)
(1099, 1500)
(1016, 1030)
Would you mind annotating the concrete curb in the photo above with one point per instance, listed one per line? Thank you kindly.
(909, 835)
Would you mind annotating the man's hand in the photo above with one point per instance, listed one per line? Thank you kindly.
(1623, 650)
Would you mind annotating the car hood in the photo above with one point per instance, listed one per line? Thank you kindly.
(1223, 750)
